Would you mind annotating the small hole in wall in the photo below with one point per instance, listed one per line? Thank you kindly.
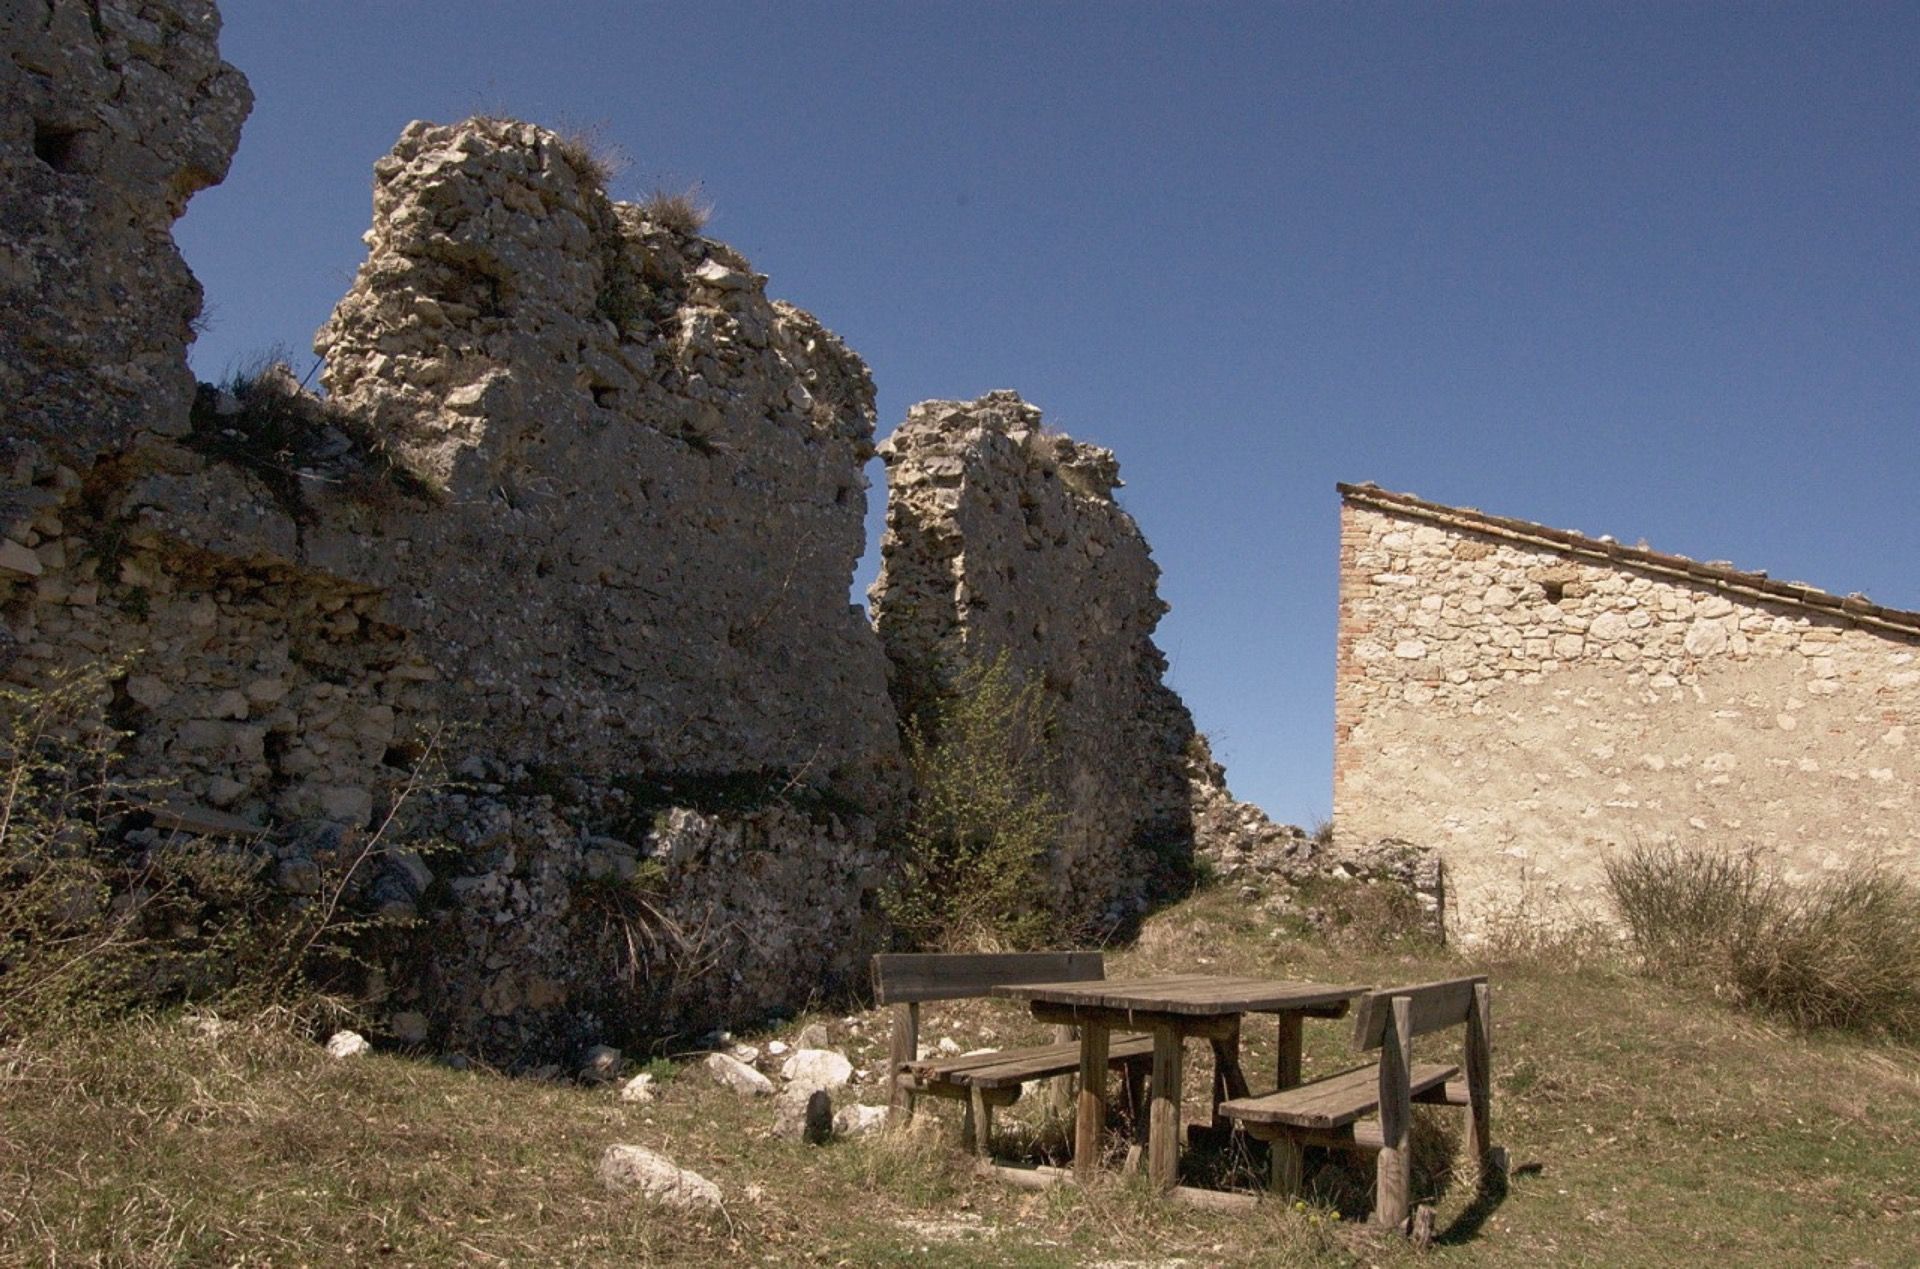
(404, 755)
(606, 398)
(59, 148)
(1556, 591)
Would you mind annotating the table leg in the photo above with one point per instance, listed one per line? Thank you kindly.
(1163, 1142)
(1092, 1110)
(1289, 1050)
(1229, 1080)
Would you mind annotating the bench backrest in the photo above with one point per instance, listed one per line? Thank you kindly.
(910, 977)
(1435, 1006)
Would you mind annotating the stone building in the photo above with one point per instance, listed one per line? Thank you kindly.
(1526, 700)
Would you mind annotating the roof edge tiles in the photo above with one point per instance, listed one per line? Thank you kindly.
(1855, 609)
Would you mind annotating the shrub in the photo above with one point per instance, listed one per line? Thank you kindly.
(1841, 952)
(681, 211)
(982, 821)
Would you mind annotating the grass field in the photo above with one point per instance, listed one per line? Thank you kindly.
(1646, 1126)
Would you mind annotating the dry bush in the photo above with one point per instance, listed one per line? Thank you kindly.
(1842, 952)
(683, 212)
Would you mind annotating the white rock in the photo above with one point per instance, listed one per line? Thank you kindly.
(817, 1068)
(948, 1045)
(639, 1089)
(346, 1044)
(738, 1076)
(746, 1053)
(656, 1178)
(855, 1121)
(778, 1048)
(814, 1036)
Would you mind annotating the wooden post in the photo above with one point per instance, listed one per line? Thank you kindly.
(1228, 1079)
(1289, 1161)
(1394, 1172)
(1480, 1080)
(1092, 1111)
(1163, 1141)
(1289, 1072)
(1062, 1093)
(905, 1048)
(982, 1116)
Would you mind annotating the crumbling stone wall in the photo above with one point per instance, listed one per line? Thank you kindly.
(583, 507)
(111, 116)
(1004, 537)
(1525, 701)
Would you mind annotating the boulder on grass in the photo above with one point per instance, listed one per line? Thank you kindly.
(656, 1178)
(817, 1068)
(346, 1044)
(738, 1076)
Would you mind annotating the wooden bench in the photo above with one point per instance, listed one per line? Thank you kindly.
(982, 1081)
(1329, 1111)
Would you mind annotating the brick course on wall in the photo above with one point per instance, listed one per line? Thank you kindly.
(1528, 702)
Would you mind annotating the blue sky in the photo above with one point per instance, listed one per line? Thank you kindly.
(1643, 269)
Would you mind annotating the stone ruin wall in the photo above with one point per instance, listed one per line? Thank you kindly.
(1527, 737)
(577, 515)
(583, 504)
(1004, 537)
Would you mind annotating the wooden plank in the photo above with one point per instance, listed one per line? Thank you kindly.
(1214, 1200)
(1480, 1080)
(1038, 1177)
(1435, 1006)
(1331, 1101)
(920, 976)
(1008, 1067)
(1205, 1026)
(1163, 1140)
(1091, 1113)
(982, 1121)
(1196, 994)
(1361, 1137)
(1393, 1170)
(1451, 1093)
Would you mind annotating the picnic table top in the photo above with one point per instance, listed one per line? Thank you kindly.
(1199, 995)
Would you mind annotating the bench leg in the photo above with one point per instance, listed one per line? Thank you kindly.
(1163, 1141)
(1480, 1082)
(905, 1048)
(1393, 1173)
(1289, 1163)
(980, 1116)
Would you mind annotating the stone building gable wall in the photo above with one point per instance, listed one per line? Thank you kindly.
(1526, 737)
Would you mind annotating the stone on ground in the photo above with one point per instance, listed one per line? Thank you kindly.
(804, 1114)
(639, 1089)
(856, 1121)
(346, 1044)
(656, 1178)
(817, 1068)
(738, 1076)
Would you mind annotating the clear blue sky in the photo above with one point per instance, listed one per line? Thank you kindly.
(1643, 269)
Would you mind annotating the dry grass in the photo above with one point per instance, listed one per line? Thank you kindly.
(683, 212)
(1841, 952)
(1648, 1126)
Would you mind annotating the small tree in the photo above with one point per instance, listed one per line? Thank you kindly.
(982, 820)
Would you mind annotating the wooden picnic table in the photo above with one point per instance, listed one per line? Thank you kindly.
(1171, 1009)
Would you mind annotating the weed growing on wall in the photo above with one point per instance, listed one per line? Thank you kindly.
(982, 821)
